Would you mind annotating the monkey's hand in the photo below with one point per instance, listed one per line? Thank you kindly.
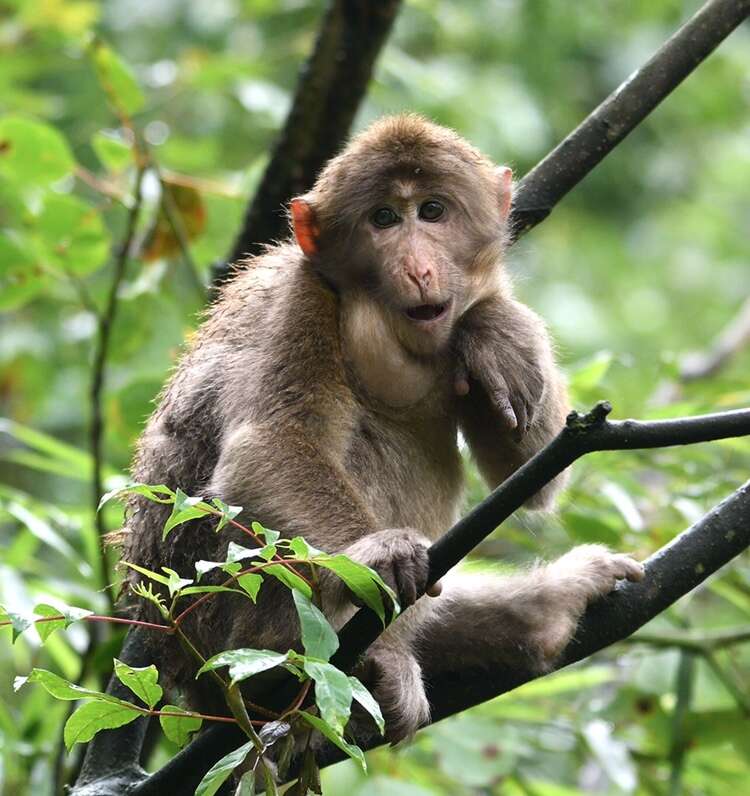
(504, 350)
(399, 556)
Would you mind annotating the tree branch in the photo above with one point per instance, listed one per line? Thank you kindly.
(330, 88)
(628, 105)
(670, 573)
(728, 343)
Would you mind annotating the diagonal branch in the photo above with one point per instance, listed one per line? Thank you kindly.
(670, 573)
(628, 105)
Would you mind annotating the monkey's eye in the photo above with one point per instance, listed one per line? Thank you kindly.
(384, 217)
(431, 210)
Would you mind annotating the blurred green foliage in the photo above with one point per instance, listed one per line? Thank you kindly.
(644, 262)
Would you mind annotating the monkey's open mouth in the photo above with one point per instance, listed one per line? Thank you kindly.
(426, 312)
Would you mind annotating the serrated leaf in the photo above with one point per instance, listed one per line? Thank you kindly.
(68, 614)
(185, 508)
(178, 728)
(244, 663)
(32, 152)
(251, 583)
(91, 717)
(218, 774)
(318, 637)
(368, 702)
(143, 682)
(113, 151)
(116, 78)
(290, 579)
(353, 751)
(158, 493)
(333, 693)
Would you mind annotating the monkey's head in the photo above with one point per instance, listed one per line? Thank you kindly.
(414, 216)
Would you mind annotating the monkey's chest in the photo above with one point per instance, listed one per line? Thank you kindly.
(409, 473)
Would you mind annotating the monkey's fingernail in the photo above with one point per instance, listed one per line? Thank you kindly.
(435, 590)
(461, 387)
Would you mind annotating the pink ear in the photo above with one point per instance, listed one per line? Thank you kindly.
(505, 178)
(305, 229)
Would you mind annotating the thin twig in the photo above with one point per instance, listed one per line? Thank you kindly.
(732, 339)
(104, 332)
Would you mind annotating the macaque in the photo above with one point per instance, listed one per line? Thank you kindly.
(324, 394)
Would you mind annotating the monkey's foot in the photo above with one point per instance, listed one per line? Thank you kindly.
(580, 577)
(395, 678)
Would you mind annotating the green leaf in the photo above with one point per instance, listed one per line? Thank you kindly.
(175, 582)
(290, 579)
(318, 637)
(353, 751)
(368, 702)
(141, 681)
(218, 774)
(362, 581)
(208, 590)
(201, 567)
(270, 536)
(91, 717)
(116, 78)
(32, 152)
(251, 583)
(244, 663)
(163, 579)
(68, 455)
(73, 235)
(246, 786)
(18, 622)
(60, 688)
(68, 615)
(113, 151)
(589, 375)
(20, 276)
(157, 493)
(179, 728)
(227, 512)
(185, 508)
(333, 693)
(236, 552)
(302, 549)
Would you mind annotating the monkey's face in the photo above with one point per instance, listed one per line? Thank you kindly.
(413, 216)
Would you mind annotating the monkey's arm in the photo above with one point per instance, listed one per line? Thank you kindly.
(517, 399)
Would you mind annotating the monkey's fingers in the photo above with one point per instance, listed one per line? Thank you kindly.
(435, 590)
(499, 394)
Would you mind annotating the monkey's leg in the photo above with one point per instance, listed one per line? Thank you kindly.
(522, 619)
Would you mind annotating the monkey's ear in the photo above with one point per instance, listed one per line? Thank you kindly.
(505, 179)
(305, 227)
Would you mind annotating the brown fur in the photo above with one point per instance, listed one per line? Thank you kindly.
(311, 399)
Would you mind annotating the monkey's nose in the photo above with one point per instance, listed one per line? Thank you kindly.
(422, 277)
